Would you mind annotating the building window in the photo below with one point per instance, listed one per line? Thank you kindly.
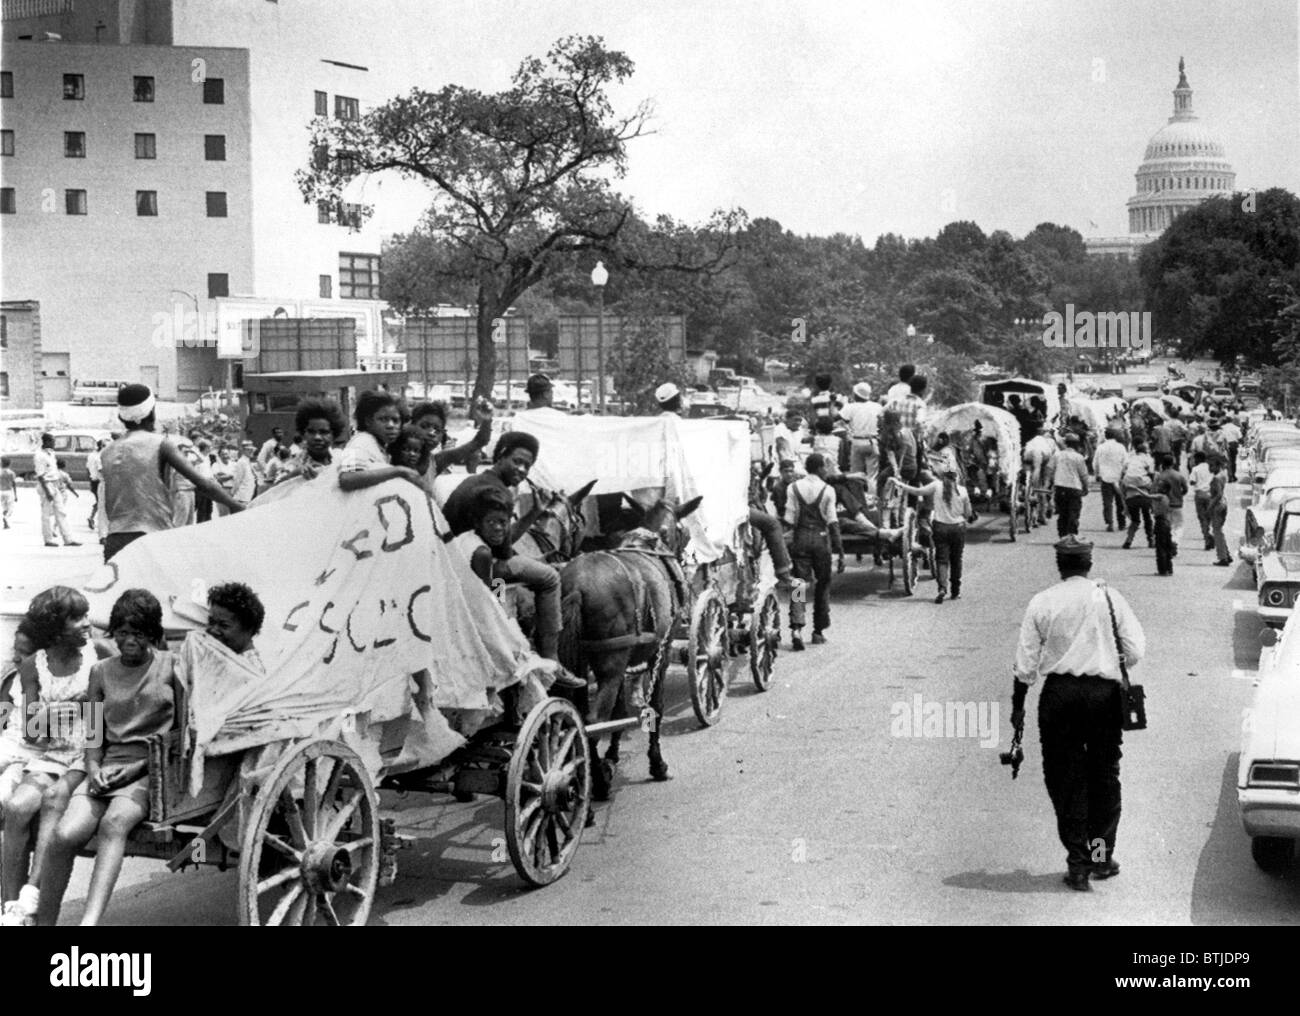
(346, 109)
(74, 86)
(214, 91)
(4, 383)
(350, 215)
(146, 146)
(146, 202)
(323, 212)
(322, 104)
(326, 287)
(214, 147)
(218, 285)
(6, 142)
(74, 202)
(320, 157)
(8, 203)
(74, 144)
(216, 204)
(359, 276)
(346, 163)
(142, 89)
(6, 84)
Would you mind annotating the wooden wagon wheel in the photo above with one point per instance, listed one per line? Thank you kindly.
(706, 656)
(764, 638)
(310, 853)
(911, 569)
(548, 791)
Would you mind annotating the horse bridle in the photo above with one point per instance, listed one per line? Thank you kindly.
(550, 550)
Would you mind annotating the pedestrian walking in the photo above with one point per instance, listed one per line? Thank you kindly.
(810, 512)
(8, 490)
(137, 494)
(1139, 471)
(95, 470)
(1068, 637)
(1218, 509)
(1108, 465)
(1173, 484)
(1199, 482)
(952, 510)
(1037, 457)
(1231, 435)
(1069, 486)
(46, 467)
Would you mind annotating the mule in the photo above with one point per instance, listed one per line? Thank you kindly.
(620, 609)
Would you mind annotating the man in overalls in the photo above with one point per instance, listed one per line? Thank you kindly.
(810, 512)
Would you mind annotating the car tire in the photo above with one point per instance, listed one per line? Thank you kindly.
(1273, 854)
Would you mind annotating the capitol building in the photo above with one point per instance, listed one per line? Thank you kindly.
(1184, 164)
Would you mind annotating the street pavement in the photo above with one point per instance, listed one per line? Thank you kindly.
(807, 805)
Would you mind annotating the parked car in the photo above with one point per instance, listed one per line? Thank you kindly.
(1268, 768)
(1280, 486)
(1221, 394)
(1274, 457)
(217, 402)
(70, 445)
(1278, 567)
(91, 392)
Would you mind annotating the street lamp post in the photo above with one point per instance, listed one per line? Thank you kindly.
(600, 276)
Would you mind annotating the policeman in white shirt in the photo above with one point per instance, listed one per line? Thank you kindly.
(863, 417)
(1069, 637)
(1108, 464)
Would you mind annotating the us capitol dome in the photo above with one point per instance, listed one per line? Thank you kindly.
(1184, 164)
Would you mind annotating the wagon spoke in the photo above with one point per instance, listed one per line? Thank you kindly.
(282, 908)
(299, 909)
(542, 745)
(563, 823)
(310, 798)
(553, 841)
(327, 909)
(285, 848)
(332, 787)
(293, 815)
(539, 843)
(566, 745)
(528, 810)
(309, 911)
(278, 879)
(355, 890)
(344, 816)
(535, 788)
(358, 844)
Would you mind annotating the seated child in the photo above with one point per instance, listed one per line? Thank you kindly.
(411, 449)
(54, 682)
(138, 693)
(235, 616)
(487, 540)
(364, 460)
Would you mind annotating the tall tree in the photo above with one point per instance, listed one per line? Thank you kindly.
(519, 178)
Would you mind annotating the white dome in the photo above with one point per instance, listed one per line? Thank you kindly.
(1187, 139)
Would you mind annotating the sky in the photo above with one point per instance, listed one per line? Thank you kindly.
(875, 117)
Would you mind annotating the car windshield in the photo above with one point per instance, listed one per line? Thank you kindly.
(1278, 496)
(1290, 538)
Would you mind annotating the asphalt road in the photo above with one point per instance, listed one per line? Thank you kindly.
(806, 805)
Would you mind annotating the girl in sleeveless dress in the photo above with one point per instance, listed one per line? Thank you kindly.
(138, 693)
(55, 682)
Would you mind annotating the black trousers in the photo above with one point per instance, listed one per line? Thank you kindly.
(1080, 726)
(1164, 546)
(1113, 498)
(1069, 506)
(812, 563)
(202, 507)
(949, 546)
(1139, 513)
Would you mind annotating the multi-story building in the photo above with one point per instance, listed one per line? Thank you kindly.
(149, 152)
(1184, 164)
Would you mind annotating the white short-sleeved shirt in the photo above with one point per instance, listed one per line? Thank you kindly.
(361, 453)
(863, 419)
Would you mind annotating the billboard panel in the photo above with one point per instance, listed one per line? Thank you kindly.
(443, 349)
(579, 339)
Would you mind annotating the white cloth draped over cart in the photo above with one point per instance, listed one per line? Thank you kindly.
(685, 458)
(360, 594)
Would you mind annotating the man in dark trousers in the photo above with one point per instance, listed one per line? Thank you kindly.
(810, 512)
(1067, 636)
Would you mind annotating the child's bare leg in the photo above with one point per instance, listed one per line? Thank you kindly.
(73, 832)
(122, 816)
(54, 802)
(24, 804)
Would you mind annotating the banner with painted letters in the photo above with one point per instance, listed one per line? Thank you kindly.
(360, 593)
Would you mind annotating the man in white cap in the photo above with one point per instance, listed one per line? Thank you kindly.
(669, 397)
(136, 467)
(863, 417)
